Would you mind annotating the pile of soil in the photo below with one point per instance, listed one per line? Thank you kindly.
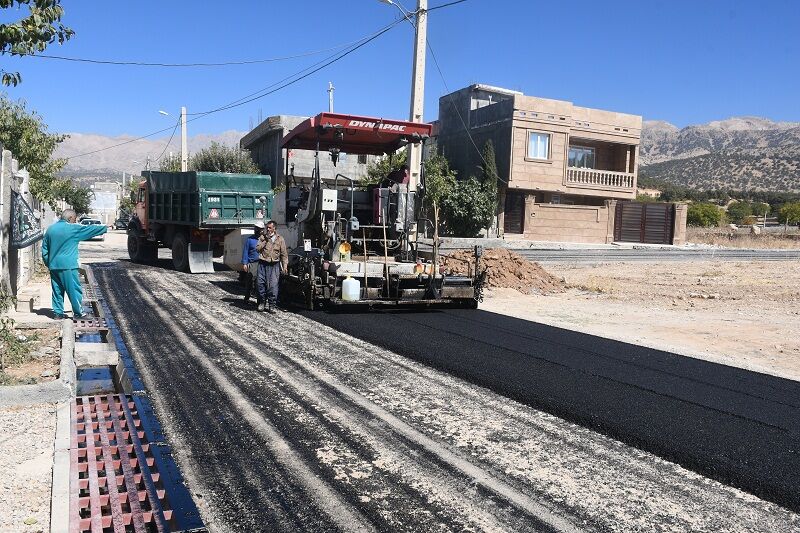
(506, 269)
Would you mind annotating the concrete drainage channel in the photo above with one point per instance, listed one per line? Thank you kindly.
(111, 456)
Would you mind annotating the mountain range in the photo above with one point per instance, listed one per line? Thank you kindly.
(738, 153)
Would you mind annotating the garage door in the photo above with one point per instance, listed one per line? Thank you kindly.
(650, 223)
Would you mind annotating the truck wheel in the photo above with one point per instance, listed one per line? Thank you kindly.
(180, 252)
(138, 249)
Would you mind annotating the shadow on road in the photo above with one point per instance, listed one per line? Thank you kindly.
(737, 426)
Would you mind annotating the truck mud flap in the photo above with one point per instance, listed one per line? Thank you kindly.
(201, 258)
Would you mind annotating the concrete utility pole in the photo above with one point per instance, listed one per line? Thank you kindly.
(184, 150)
(418, 91)
(331, 88)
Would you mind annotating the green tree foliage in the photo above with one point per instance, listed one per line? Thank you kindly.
(674, 193)
(76, 196)
(739, 211)
(215, 158)
(34, 33)
(25, 134)
(789, 213)
(128, 201)
(439, 181)
(704, 214)
(170, 163)
(469, 207)
(760, 209)
(378, 170)
(489, 176)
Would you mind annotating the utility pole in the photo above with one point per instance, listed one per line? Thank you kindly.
(418, 91)
(184, 150)
(331, 88)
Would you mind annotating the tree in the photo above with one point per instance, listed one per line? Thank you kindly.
(439, 181)
(739, 211)
(80, 198)
(171, 163)
(790, 213)
(704, 214)
(33, 33)
(378, 170)
(469, 207)
(26, 135)
(760, 209)
(215, 158)
(489, 176)
(128, 201)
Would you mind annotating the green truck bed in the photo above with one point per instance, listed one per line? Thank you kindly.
(208, 199)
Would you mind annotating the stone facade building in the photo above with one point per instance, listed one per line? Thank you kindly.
(562, 168)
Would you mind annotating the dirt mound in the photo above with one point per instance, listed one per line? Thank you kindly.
(506, 269)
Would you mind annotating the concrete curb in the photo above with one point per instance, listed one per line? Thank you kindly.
(56, 391)
(59, 491)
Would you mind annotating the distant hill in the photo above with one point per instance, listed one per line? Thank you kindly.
(128, 158)
(738, 153)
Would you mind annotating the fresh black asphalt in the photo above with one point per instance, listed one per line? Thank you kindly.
(734, 425)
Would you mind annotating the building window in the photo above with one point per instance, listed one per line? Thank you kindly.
(362, 159)
(581, 157)
(538, 145)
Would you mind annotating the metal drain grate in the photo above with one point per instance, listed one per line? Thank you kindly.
(90, 324)
(114, 483)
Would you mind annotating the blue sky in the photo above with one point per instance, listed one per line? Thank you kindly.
(686, 62)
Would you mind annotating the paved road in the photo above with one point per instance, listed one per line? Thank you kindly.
(654, 255)
(317, 422)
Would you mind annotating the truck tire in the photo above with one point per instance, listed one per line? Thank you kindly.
(180, 252)
(141, 251)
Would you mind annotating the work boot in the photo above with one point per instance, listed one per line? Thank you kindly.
(271, 308)
(262, 306)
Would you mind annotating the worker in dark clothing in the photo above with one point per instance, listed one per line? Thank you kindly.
(250, 260)
(60, 255)
(272, 261)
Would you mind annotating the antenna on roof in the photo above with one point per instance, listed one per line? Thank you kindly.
(331, 88)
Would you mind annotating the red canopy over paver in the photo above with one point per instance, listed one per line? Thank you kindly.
(354, 134)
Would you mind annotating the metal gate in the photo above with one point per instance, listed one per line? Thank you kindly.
(651, 223)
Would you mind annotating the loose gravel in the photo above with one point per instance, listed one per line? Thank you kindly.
(26, 463)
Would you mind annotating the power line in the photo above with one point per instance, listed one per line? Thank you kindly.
(447, 88)
(446, 5)
(185, 65)
(169, 141)
(325, 63)
(322, 64)
(336, 57)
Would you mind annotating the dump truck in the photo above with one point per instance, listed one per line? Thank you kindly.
(192, 212)
(357, 245)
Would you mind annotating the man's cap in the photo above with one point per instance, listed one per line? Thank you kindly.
(259, 224)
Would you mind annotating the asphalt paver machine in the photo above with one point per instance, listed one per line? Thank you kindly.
(354, 244)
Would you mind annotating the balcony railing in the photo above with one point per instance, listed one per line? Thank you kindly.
(589, 177)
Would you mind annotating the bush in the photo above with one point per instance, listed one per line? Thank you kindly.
(704, 214)
(739, 211)
(789, 213)
(469, 207)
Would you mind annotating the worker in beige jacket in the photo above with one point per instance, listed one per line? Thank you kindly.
(272, 261)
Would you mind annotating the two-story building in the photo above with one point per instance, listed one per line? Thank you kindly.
(562, 168)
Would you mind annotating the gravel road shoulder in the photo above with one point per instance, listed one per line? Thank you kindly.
(26, 463)
(740, 314)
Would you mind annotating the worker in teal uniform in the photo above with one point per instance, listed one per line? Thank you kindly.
(60, 255)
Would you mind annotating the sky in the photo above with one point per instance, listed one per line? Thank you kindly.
(686, 62)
